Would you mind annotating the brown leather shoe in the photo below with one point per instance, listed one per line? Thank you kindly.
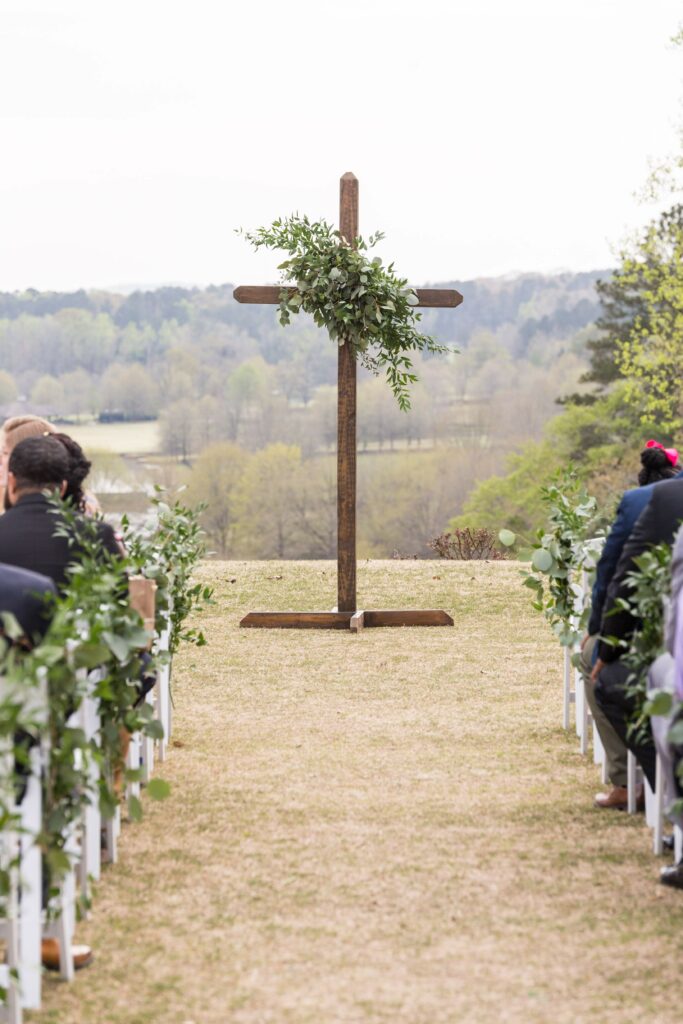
(82, 955)
(617, 799)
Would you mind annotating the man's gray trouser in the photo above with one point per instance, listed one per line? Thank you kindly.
(615, 750)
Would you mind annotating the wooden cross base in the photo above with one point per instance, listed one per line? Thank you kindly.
(354, 621)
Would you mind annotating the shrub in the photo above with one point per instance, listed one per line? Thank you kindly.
(466, 545)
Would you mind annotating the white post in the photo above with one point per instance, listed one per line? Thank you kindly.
(164, 695)
(567, 689)
(631, 782)
(30, 921)
(658, 837)
(678, 844)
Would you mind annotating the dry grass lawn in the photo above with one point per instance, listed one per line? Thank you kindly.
(384, 828)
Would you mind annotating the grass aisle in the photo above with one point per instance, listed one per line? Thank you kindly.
(383, 828)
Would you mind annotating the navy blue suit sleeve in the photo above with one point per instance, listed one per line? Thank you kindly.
(604, 571)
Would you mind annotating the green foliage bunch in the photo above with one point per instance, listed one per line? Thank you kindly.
(650, 357)
(93, 630)
(168, 552)
(558, 553)
(23, 717)
(649, 588)
(356, 299)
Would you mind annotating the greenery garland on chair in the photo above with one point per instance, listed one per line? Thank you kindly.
(560, 552)
(355, 298)
(94, 627)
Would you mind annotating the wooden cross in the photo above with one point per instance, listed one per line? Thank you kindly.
(346, 615)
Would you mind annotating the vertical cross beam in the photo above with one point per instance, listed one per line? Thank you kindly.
(346, 426)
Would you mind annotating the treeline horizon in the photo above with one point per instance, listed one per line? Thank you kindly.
(216, 373)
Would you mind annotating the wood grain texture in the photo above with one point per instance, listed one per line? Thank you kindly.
(346, 426)
(270, 294)
(356, 620)
(296, 620)
(405, 617)
(443, 298)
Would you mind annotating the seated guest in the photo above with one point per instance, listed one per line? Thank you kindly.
(657, 524)
(17, 429)
(38, 466)
(657, 464)
(79, 467)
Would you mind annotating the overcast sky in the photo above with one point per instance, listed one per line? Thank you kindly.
(489, 136)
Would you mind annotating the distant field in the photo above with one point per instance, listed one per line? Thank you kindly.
(121, 438)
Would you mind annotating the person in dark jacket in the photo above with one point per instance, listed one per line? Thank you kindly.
(25, 595)
(657, 464)
(657, 524)
(33, 554)
(39, 466)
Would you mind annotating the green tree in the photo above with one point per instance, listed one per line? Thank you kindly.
(650, 356)
(633, 301)
(269, 518)
(80, 393)
(215, 480)
(48, 393)
(178, 425)
(8, 388)
(130, 389)
(246, 392)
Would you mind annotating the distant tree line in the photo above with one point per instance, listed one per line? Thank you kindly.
(273, 503)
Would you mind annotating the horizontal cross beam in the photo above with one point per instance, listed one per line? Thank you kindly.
(271, 294)
(345, 620)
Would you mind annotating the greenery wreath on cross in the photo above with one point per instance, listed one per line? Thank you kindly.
(355, 298)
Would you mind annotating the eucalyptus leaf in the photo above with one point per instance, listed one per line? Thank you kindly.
(542, 560)
(158, 789)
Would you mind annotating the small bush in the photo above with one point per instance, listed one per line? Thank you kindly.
(467, 545)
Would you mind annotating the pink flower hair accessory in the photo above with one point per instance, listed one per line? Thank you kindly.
(671, 453)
